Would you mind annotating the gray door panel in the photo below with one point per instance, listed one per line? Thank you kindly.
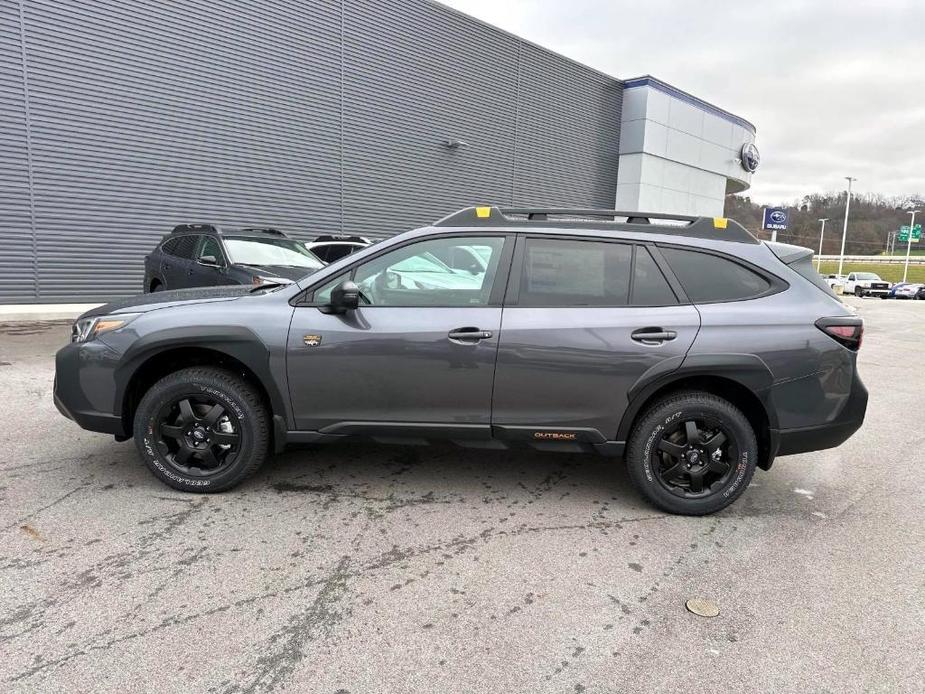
(390, 364)
(572, 367)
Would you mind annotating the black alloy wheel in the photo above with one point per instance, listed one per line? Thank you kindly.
(197, 435)
(202, 429)
(692, 453)
(692, 458)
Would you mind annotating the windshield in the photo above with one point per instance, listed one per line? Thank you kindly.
(255, 251)
(866, 276)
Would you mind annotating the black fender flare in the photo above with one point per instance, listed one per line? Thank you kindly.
(747, 370)
(235, 341)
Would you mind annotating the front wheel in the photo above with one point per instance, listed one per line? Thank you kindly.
(692, 454)
(858, 292)
(202, 429)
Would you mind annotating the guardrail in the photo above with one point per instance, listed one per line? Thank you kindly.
(885, 259)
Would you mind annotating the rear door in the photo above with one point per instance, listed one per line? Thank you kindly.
(584, 320)
(176, 267)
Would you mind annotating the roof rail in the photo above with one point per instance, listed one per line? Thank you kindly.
(200, 228)
(718, 228)
(327, 238)
(267, 230)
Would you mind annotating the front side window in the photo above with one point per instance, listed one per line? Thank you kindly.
(564, 272)
(270, 251)
(414, 275)
(210, 247)
(708, 278)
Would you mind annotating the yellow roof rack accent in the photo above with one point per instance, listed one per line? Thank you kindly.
(720, 222)
(483, 212)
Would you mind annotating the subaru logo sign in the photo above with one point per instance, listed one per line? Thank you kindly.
(775, 218)
(750, 157)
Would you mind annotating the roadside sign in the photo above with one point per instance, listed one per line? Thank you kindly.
(775, 218)
(916, 234)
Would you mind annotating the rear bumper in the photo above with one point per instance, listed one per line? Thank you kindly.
(828, 435)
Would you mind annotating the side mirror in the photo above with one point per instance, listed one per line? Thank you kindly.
(210, 260)
(345, 297)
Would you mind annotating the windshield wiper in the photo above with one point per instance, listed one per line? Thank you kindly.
(269, 285)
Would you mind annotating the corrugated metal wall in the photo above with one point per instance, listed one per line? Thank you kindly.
(316, 117)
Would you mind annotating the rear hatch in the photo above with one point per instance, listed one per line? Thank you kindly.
(800, 260)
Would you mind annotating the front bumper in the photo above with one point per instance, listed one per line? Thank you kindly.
(828, 435)
(84, 387)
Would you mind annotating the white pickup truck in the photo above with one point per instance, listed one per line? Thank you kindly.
(866, 284)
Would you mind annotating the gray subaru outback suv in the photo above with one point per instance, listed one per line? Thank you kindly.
(682, 344)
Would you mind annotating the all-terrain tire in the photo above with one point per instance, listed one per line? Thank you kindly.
(205, 387)
(664, 424)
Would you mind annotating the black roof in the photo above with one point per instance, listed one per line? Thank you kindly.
(714, 228)
(215, 229)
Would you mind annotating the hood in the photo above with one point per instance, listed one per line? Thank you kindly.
(286, 272)
(148, 302)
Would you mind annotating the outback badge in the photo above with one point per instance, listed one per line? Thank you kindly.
(311, 340)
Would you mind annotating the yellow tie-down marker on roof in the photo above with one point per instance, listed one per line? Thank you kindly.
(483, 212)
(720, 222)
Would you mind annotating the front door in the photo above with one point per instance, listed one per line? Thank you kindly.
(585, 320)
(417, 355)
(206, 274)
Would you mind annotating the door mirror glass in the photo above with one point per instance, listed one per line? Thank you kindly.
(344, 297)
(208, 260)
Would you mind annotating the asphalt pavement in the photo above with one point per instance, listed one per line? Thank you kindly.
(364, 568)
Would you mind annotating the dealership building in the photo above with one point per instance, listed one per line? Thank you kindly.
(119, 120)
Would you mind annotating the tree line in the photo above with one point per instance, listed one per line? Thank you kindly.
(871, 219)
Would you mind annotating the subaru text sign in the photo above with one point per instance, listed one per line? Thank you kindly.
(775, 218)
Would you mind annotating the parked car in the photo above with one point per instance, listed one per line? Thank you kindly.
(835, 280)
(903, 290)
(683, 344)
(920, 294)
(866, 284)
(202, 255)
(330, 248)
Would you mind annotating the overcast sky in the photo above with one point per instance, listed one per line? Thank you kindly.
(833, 88)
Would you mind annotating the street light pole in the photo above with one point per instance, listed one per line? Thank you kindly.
(844, 232)
(821, 234)
(909, 243)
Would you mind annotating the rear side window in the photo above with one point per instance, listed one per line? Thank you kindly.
(186, 246)
(170, 246)
(707, 277)
(650, 288)
(564, 272)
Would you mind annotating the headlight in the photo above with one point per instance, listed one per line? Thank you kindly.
(88, 328)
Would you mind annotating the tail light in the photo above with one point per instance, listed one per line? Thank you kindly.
(847, 331)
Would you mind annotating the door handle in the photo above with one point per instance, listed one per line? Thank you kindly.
(469, 334)
(653, 336)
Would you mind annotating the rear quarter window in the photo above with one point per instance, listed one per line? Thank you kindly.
(712, 278)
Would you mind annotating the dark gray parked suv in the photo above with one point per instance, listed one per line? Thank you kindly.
(682, 344)
(204, 255)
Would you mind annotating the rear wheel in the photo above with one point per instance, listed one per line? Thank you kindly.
(202, 429)
(692, 453)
